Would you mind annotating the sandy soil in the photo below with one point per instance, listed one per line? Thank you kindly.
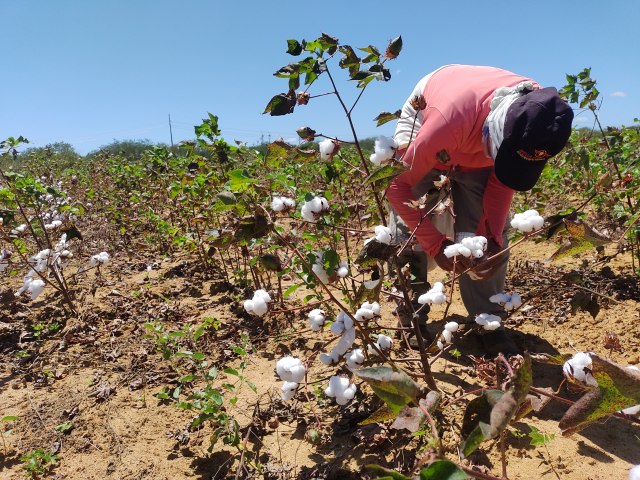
(102, 373)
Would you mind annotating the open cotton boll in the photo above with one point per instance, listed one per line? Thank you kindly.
(346, 340)
(327, 148)
(341, 389)
(384, 342)
(364, 314)
(35, 288)
(328, 358)
(500, 298)
(383, 234)
(262, 294)
(374, 307)
(527, 221)
(343, 269)
(489, 321)
(634, 473)
(290, 369)
(316, 319)
(435, 296)
(260, 307)
(452, 250)
(452, 326)
(320, 272)
(578, 368)
(440, 345)
(355, 358)
(289, 390)
(447, 336)
(384, 150)
(277, 205)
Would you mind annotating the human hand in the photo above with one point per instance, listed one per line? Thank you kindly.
(487, 266)
(446, 263)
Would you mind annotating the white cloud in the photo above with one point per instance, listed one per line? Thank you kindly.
(619, 94)
(581, 119)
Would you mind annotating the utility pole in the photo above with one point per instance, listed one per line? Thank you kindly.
(170, 131)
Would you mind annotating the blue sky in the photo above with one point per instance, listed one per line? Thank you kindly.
(88, 72)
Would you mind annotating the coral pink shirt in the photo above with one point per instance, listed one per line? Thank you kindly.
(458, 98)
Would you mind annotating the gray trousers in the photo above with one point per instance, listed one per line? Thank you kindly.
(467, 189)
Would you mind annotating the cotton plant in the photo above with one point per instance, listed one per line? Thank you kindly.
(282, 204)
(341, 389)
(489, 321)
(446, 337)
(528, 221)
(328, 148)
(382, 235)
(508, 301)
(435, 295)
(258, 305)
(313, 209)
(383, 151)
(469, 247)
(292, 372)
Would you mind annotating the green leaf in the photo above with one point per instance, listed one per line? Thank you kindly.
(618, 388)
(65, 427)
(384, 473)
(382, 177)
(538, 438)
(289, 291)
(381, 415)
(294, 47)
(394, 387)
(239, 180)
(231, 371)
(443, 470)
(385, 117)
(9, 418)
(281, 104)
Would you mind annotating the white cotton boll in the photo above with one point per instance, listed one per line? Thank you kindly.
(347, 321)
(438, 287)
(289, 390)
(383, 234)
(316, 319)
(343, 269)
(634, 473)
(527, 221)
(578, 367)
(337, 385)
(364, 314)
(452, 326)
(262, 295)
(288, 202)
(328, 358)
(327, 147)
(345, 342)
(488, 321)
(297, 373)
(349, 392)
(307, 214)
(464, 251)
(500, 298)
(248, 307)
(384, 342)
(321, 273)
(36, 287)
(451, 250)
(537, 222)
(337, 327)
(374, 307)
(377, 158)
(290, 369)
(478, 253)
(260, 307)
(438, 298)
(316, 204)
(440, 345)
(633, 411)
(355, 358)
(277, 205)
(516, 300)
(447, 336)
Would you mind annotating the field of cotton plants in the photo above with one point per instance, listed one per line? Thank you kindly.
(221, 311)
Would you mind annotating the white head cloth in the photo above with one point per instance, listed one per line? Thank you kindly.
(494, 124)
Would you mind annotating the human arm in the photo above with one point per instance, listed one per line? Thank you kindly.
(435, 135)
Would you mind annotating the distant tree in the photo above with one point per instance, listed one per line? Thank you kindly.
(57, 156)
(132, 149)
